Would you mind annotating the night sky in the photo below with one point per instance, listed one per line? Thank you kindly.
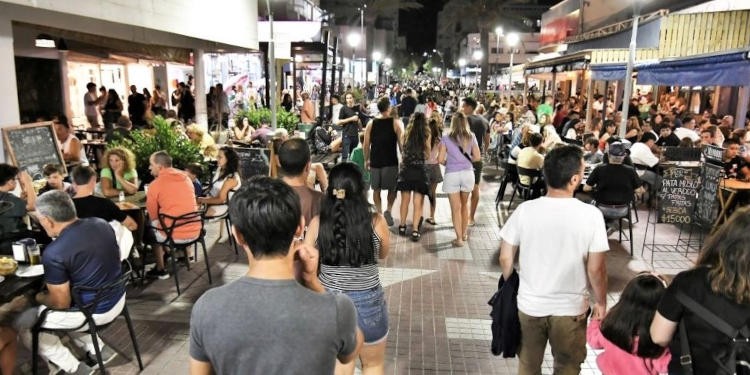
(420, 26)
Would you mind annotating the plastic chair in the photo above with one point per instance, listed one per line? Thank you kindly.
(177, 222)
(529, 191)
(87, 309)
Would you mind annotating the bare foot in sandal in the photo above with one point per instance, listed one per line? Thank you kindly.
(457, 243)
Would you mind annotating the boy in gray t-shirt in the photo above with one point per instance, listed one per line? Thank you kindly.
(272, 320)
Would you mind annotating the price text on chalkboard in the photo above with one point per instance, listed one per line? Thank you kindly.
(678, 194)
(253, 161)
(33, 146)
(706, 208)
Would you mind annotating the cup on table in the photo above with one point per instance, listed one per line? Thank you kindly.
(35, 255)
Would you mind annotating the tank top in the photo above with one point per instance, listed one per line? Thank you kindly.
(65, 146)
(383, 141)
(346, 278)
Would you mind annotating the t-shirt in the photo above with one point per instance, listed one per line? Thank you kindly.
(642, 155)
(103, 208)
(615, 183)
(309, 200)
(351, 129)
(129, 176)
(85, 254)
(703, 338)
(529, 158)
(555, 236)
(686, 133)
(733, 168)
(670, 140)
(89, 109)
(456, 159)
(544, 108)
(11, 218)
(479, 126)
(293, 331)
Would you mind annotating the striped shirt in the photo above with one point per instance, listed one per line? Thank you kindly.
(346, 278)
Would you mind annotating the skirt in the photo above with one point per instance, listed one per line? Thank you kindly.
(413, 178)
(434, 175)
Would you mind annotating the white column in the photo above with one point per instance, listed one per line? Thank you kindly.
(742, 100)
(65, 86)
(199, 76)
(9, 112)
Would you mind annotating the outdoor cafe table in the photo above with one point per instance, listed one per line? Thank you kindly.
(731, 187)
(14, 286)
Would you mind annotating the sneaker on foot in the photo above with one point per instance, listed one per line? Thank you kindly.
(108, 354)
(388, 218)
(155, 273)
(84, 369)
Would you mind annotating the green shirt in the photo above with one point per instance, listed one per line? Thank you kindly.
(358, 157)
(129, 175)
(544, 109)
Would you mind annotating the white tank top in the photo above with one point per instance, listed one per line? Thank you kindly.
(65, 146)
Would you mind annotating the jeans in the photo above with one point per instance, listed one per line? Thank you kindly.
(566, 335)
(372, 312)
(348, 143)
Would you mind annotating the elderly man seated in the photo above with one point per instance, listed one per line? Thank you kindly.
(84, 253)
(615, 184)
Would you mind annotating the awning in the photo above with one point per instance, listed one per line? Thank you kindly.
(565, 63)
(608, 72)
(731, 69)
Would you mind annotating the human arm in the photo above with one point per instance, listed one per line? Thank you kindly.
(507, 256)
(442, 154)
(129, 185)
(350, 116)
(199, 367)
(308, 110)
(56, 297)
(399, 129)
(366, 144)
(27, 190)
(223, 196)
(74, 151)
(307, 258)
(381, 230)
(596, 269)
(662, 330)
(321, 176)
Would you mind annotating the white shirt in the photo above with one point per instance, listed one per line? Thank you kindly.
(555, 236)
(89, 109)
(641, 154)
(335, 110)
(687, 133)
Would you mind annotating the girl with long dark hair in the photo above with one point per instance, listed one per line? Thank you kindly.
(227, 179)
(434, 174)
(624, 332)
(412, 178)
(351, 237)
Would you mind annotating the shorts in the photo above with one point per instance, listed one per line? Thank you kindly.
(434, 174)
(461, 181)
(160, 237)
(478, 165)
(384, 178)
(372, 313)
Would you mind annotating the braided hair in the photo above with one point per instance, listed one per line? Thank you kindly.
(345, 234)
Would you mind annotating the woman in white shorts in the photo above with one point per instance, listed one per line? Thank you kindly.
(458, 150)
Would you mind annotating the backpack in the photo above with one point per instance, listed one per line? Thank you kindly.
(732, 357)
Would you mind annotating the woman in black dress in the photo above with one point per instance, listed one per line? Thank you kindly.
(412, 178)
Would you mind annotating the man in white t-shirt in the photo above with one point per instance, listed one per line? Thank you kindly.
(687, 130)
(90, 101)
(563, 243)
(644, 160)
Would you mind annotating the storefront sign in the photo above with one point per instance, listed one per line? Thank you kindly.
(560, 22)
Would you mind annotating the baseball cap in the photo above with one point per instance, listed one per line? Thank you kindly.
(617, 149)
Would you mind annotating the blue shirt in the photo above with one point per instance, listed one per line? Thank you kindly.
(85, 254)
(198, 188)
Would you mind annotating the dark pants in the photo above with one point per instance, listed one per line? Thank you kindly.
(348, 143)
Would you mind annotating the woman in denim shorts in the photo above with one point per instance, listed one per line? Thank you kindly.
(351, 238)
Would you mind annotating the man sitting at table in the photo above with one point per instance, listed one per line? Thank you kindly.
(645, 161)
(89, 205)
(171, 193)
(667, 138)
(70, 146)
(84, 253)
(12, 208)
(531, 158)
(615, 183)
(734, 164)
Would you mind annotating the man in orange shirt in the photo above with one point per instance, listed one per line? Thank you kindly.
(171, 193)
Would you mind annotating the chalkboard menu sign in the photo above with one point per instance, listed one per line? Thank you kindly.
(706, 208)
(253, 161)
(679, 191)
(32, 146)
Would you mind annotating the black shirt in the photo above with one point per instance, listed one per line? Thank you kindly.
(733, 168)
(479, 126)
(408, 104)
(102, 208)
(383, 143)
(703, 338)
(615, 183)
(351, 129)
(672, 141)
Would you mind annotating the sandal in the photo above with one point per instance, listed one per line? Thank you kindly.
(431, 221)
(466, 237)
(419, 227)
(402, 230)
(457, 243)
(415, 236)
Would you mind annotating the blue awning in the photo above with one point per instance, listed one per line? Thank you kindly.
(720, 70)
(608, 72)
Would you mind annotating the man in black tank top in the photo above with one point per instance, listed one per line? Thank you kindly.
(382, 136)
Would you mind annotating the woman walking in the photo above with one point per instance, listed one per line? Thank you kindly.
(458, 150)
(351, 237)
(434, 174)
(412, 178)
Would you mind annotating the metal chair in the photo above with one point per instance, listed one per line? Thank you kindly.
(530, 191)
(510, 176)
(88, 309)
(626, 213)
(227, 221)
(168, 225)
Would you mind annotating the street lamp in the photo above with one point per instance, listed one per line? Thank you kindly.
(462, 62)
(498, 34)
(477, 55)
(628, 91)
(376, 56)
(353, 39)
(387, 61)
(512, 39)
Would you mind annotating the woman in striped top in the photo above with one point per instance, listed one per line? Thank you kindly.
(351, 237)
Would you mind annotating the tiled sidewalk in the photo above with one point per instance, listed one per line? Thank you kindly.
(437, 298)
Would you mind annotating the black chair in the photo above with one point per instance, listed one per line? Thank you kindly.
(532, 190)
(87, 309)
(625, 213)
(169, 224)
(227, 222)
(510, 176)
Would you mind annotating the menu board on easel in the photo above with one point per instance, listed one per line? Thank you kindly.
(706, 208)
(254, 161)
(32, 146)
(679, 191)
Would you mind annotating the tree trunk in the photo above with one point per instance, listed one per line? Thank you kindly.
(484, 42)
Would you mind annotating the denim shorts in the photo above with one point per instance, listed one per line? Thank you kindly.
(372, 313)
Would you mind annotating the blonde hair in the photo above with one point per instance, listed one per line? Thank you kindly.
(460, 132)
(124, 154)
(194, 129)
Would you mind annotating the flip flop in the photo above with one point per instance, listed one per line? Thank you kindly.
(431, 221)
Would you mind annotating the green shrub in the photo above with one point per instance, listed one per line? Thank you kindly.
(260, 116)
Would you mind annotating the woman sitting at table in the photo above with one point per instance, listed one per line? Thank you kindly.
(119, 172)
(204, 141)
(242, 130)
(227, 179)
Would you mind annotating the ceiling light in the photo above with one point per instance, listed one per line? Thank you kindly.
(45, 41)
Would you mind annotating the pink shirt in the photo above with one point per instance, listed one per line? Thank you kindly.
(615, 361)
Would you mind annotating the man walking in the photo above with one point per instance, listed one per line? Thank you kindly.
(481, 129)
(294, 163)
(136, 107)
(563, 244)
(382, 136)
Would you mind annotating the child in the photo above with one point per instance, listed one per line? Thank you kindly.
(194, 171)
(53, 173)
(624, 332)
(358, 157)
(591, 153)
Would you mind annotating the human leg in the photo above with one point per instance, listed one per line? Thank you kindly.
(391, 199)
(455, 201)
(377, 200)
(464, 200)
(534, 333)
(433, 203)
(567, 337)
(404, 211)
(417, 214)
(344, 369)
(8, 346)
(373, 358)
(474, 203)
